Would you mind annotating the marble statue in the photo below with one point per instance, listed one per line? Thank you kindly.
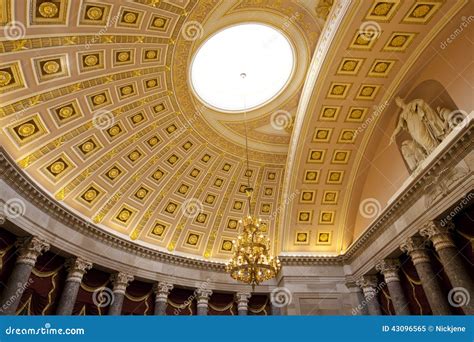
(423, 124)
(412, 153)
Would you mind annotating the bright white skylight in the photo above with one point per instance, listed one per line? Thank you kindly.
(260, 52)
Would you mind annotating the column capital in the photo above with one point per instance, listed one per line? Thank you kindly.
(120, 281)
(162, 290)
(242, 297)
(77, 267)
(203, 296)
(438, 234)
(367, 282)
(30, 248)
(415, 247)
(389, 269)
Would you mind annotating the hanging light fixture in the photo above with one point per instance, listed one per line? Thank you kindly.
(252, 262)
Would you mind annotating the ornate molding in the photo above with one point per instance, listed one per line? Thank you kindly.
(389, 268)
(120, 281)
(29, 249)
(77, 267)
(438, 234)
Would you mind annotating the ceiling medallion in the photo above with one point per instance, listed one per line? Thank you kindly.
(252, 262)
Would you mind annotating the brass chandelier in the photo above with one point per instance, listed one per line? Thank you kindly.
(252, 262)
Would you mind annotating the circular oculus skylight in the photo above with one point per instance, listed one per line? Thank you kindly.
(242, 67)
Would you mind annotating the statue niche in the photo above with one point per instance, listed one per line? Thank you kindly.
(426, 127)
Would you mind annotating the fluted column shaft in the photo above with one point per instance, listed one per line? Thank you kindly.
(120, 282)
(162, 290)
(389, 269)
(77, 267)
(452, 263)
(29, 249)
(242, 303)
(202, 296)
(368, 284)
(415, 248)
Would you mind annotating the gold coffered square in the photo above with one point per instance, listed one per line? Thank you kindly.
(399, 41)
(271, 176)
(88, 147)
(183, 189)
(210, 199)
(153, 141)
(114, 173)
(324, 238)
(91, 195)
(159, 229)
(93, 13)
(381, 67)
(350, 66)
(347, 136)
(58, 167)
(265, 208)
(142, 193)
(316, 156)
(382, 10)
(268, 191)
(159, 23)
(218, 182)
(51, 67)
(194, 173)
(125, 91)
(193, 239)
(137, 118)
(130, 18)
(226, 245)
(367, 92)
(356, 114)
(305, 216)
(134, 156)
(326, 217)
(10, 78)
(334, 177)
(364, 39)
(89, 61)
(201, 218)
(238, 205)
(115, 131)
(322, 135)
(171, 129)
(150, 55)
(171, 208)
(338, 90)
(27, 130)
(151, 84)
(311, 176)
(307, 196)
(232, 224)
(99, 100)
(329, 113)
(158, 175)
(173, 159)
(302, 238)
(421, 12)
(125, 215)
(340, 156)
(330, 197)
(123, 57)
(187, 145)
(48, 12)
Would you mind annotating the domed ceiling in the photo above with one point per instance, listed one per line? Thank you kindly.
(97, 108)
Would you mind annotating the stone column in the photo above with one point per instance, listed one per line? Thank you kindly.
(242, 299)
(389, 269)
(357, 300)
(203, 296)
(162, 290)
(77, 268)
(368, 284)
(452, 265)
(29, 249)
(120, 282)
(415, 248)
